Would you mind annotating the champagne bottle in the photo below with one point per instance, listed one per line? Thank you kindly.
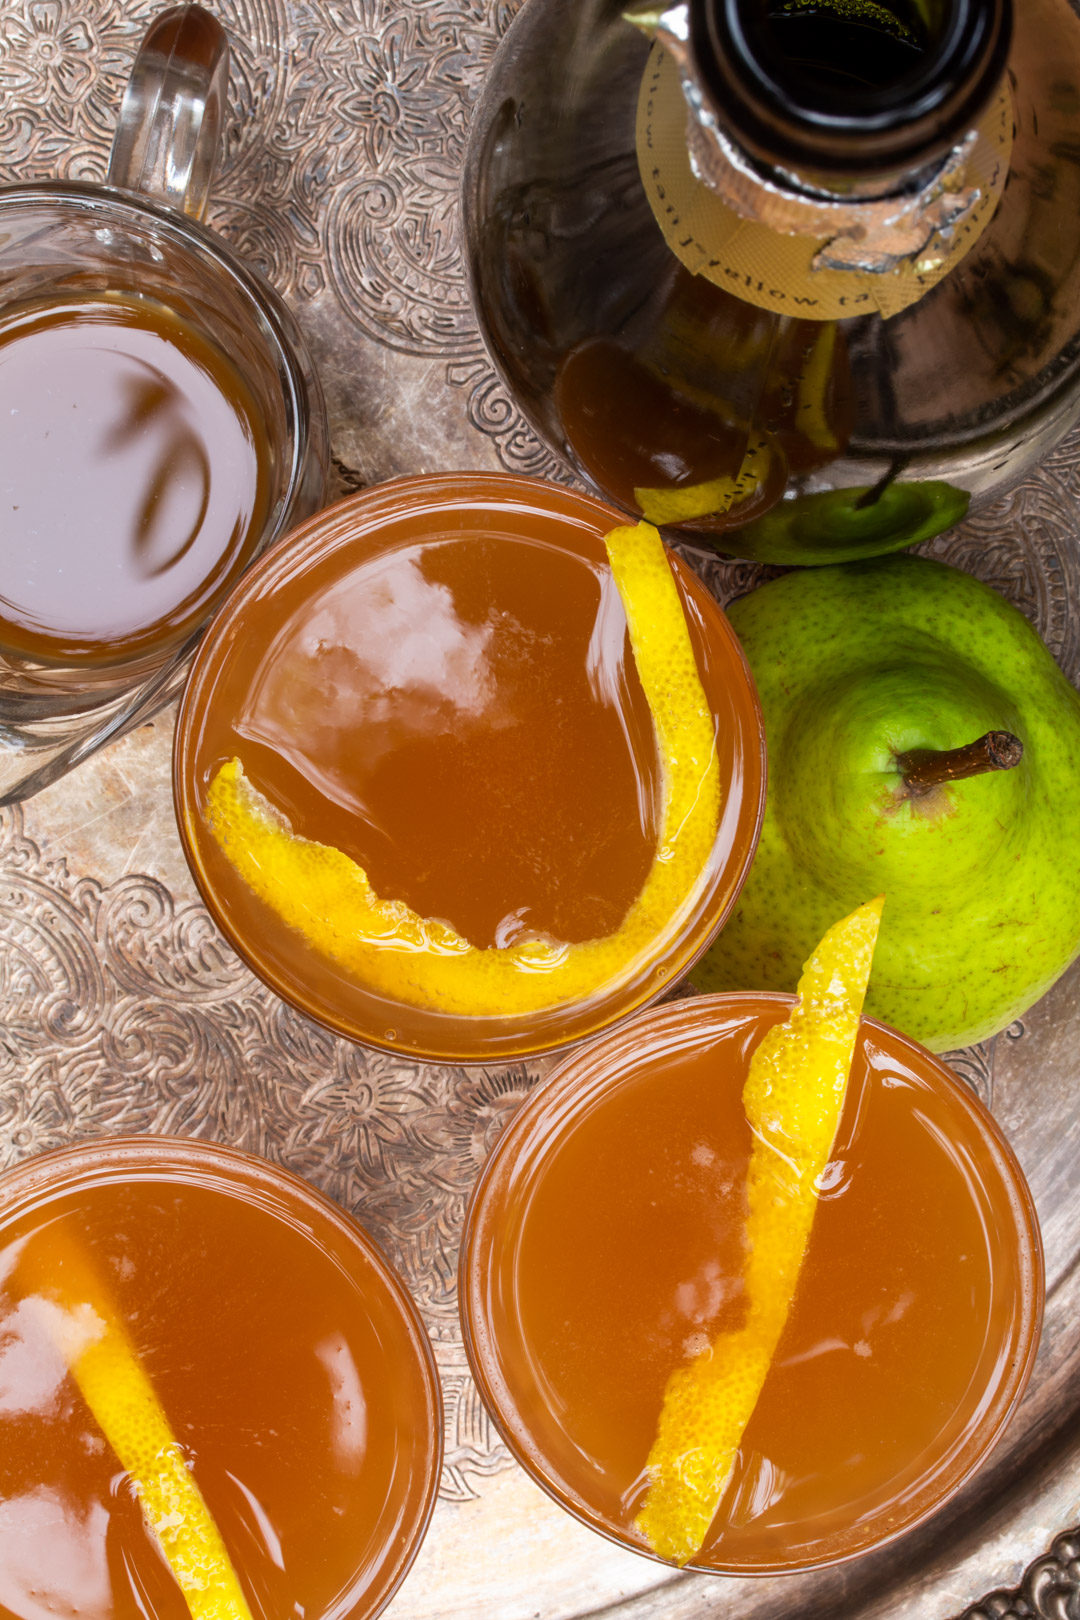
(800, 278)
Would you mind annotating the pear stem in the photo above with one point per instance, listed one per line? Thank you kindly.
(925, 769)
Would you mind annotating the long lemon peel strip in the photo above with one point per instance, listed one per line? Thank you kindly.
(794, 1096)
(326, 896)
(106, 1367)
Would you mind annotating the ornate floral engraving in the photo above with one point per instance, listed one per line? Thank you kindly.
(1047, 1592)
(74, 64)
(122, 1009)
(975, 1064)
(125, 1012)
(1024, 545)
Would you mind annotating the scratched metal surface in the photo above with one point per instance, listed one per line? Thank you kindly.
(121, 1009)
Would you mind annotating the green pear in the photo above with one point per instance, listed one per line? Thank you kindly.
(879, 683)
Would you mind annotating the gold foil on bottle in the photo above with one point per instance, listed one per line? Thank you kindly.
(774, 270)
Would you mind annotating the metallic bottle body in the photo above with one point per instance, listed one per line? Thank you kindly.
(640, 373)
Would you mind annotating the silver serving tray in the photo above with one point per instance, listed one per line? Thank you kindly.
(121, 1009)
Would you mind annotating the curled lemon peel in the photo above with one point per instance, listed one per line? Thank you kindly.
(422, 962)
(793, 1097)
(73, 1303)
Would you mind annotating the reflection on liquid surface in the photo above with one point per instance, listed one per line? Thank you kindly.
(464, 719)
(130, 477)
(609, 1251)
(436, 681)
(286, 1377)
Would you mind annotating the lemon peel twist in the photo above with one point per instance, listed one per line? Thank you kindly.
(326, 896)
(73, 1303)
(793, 1097)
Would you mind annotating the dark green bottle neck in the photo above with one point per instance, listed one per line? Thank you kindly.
(848, 89)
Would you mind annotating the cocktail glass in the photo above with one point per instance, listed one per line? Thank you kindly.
(604, 1249)
(435, 679)
(246, 1328)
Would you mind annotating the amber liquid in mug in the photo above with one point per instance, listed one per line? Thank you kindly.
(461, 715)
(608, 1251)
(285, 1374)
(133, 484)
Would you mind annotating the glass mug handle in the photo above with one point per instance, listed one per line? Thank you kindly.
(169, 130)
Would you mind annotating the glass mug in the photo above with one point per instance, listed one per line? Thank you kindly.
(162, 422)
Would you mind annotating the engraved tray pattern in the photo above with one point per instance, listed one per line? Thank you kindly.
(121, 1009)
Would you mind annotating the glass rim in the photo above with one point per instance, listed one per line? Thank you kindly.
(315, 539)
(623, 1051)
(37, 1179)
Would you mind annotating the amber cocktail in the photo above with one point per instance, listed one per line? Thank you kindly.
(435, 680)
(605, 1249)
(208, 1374)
